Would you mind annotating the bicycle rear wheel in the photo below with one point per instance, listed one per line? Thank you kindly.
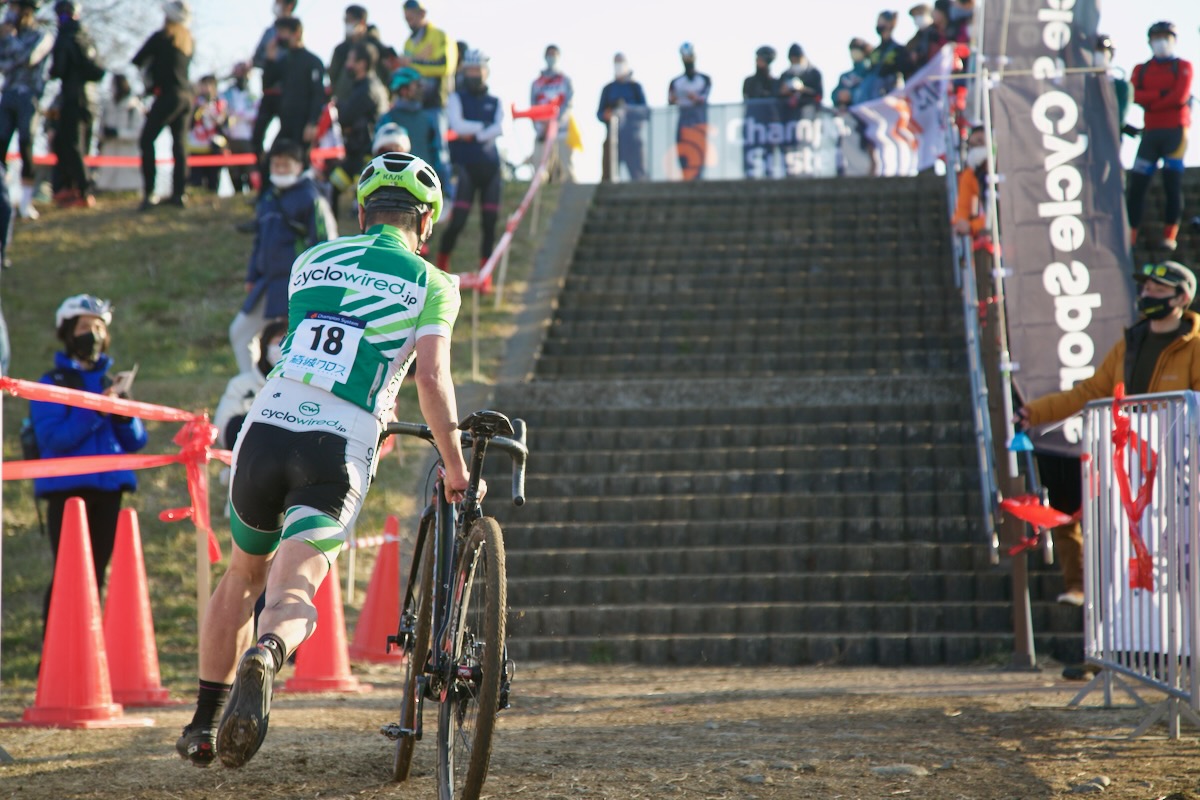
(419, 609)
(467, 716)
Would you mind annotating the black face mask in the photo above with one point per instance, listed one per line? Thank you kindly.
(1156, 307)
(474, 85)
(86, 347)
(882, 31)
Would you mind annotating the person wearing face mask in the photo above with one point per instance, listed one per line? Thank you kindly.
(434, 55)
(889, 62)
(301, 78)
(267, 53)
(477, 117)
(291, 215)
(358, 30)
(548, 87)
(689, 93)
(241, 104)
(1163, 88)
(82, 326)
(625, 100)
(761, 93)
(846, 91)
(76, 66)
(970, 218)
(208, 133)
(1159, 353)
(164, 60)
(243, 388)
(424, 137)
(359, 110)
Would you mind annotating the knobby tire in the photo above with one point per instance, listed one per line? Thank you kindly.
(414, 660)
(467, 715)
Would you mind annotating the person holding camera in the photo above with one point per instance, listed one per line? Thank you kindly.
(60, 431)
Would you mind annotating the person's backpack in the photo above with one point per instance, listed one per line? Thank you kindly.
(30, 450)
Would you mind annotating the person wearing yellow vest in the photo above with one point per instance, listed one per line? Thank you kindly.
(435, 56)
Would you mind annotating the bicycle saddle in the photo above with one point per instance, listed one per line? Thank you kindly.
(486, 424)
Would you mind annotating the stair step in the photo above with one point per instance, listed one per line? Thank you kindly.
(897, 344)
(649, 362)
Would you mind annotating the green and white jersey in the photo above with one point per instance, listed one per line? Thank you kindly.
(356, 307)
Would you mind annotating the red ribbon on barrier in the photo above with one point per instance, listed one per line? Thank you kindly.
(1029, 508)
(195, 440)
(1141, 568)
(317, 154)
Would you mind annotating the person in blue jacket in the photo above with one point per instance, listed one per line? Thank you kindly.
(291, 216)
(82, 322)
(625, 99)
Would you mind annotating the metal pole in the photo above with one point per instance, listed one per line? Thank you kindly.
(501, 276)
(614, 134)
(475, 335)
(350, 567)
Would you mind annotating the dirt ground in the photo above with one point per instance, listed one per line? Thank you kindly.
(626, 732)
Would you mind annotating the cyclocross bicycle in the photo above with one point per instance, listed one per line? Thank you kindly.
(452, 617)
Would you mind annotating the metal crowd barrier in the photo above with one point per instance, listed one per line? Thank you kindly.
(1141, 551)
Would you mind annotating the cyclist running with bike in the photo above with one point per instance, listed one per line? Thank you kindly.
(360, 308)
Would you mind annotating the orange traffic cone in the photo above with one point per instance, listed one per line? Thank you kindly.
(322, 664)
(73, 684)
(380, 617)
(128, 625)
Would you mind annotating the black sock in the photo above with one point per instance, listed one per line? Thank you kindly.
(275, 646)
(210, 699)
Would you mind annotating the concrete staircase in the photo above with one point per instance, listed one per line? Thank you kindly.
(751, 438)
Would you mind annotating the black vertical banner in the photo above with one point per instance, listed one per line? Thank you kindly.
(1062, 211)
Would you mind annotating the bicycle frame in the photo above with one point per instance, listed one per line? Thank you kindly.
(449, 529)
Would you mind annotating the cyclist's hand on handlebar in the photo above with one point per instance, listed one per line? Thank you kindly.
(456, 485)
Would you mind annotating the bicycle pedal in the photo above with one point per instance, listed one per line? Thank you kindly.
(392, 730)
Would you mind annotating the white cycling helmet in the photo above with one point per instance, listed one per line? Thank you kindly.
(80, 304)
(391, 138)
(475, 58)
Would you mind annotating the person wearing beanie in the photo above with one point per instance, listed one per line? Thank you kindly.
(164, 60)
(689, 93)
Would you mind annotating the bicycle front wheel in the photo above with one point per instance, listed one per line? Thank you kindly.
(467, 716)
(417, 612)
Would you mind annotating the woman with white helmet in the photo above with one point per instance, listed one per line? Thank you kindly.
(82, 326)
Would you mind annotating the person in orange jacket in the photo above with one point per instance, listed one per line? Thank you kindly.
(1159, 353)
(970, 217)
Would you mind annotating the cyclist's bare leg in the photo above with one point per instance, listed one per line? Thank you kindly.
(290, 612)
(228, 627)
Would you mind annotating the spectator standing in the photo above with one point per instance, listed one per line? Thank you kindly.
(889, 62)
(81, 323)
(291, 215)
(801, 84)
(76, 66)
(434, 55)
(301, 78)
(1163, 88)
(970, 217)
(689, 93)
(761, 93)
(357, 30)
(359, 110)
(922, 45)
(408, 112)
(164, 60)
(267, 54)
(208, 134)
(25, 47)
(548, 87)
(1160, 353)
(477, 117)
(849, 84)
(122, 116)
(241, 106)
(243, 387)
(624, 99)
(1122, 89)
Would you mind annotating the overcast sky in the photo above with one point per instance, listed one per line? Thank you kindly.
(515, 32)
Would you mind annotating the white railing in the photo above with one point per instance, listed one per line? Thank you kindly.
(1141, 533)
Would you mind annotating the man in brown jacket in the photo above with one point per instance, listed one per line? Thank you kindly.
(1160, 353)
